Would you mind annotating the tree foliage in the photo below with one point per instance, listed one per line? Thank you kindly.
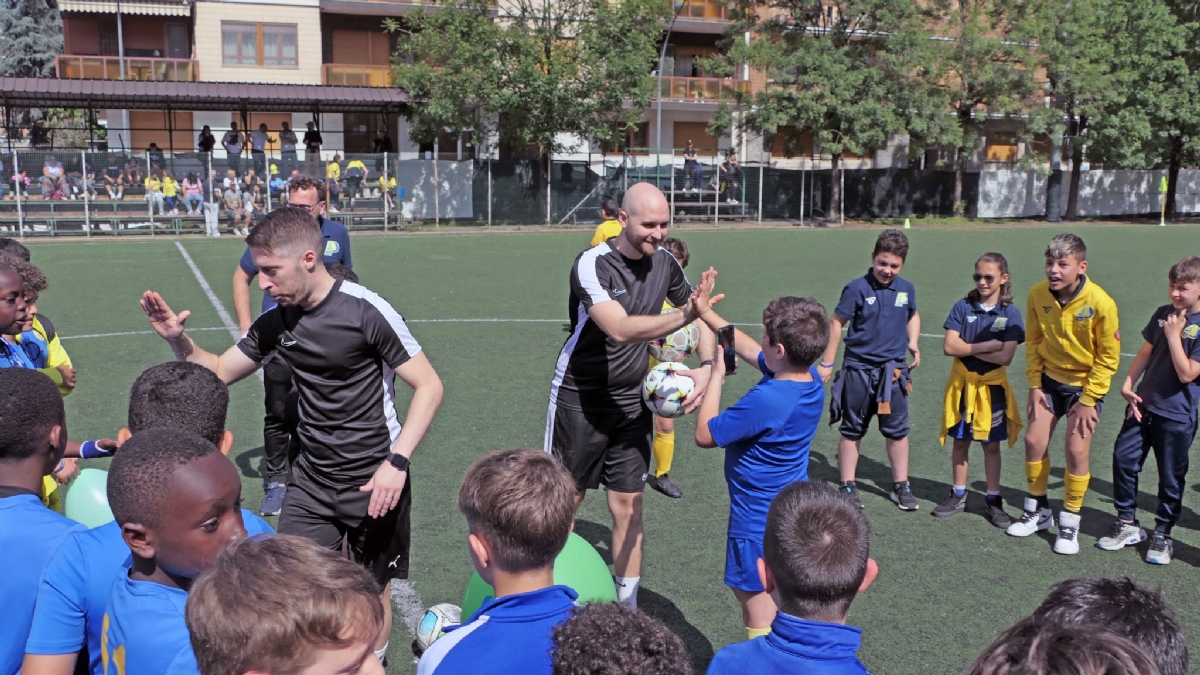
(31, 35)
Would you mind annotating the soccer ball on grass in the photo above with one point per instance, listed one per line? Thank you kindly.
(433, 624)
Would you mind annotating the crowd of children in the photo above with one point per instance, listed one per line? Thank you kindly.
(185, 581)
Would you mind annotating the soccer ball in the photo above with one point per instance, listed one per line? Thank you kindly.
(678, 345)
(664, 389)
(434, 623)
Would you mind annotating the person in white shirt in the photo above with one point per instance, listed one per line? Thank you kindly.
(287, 148)
(258, 148)
(233, 142)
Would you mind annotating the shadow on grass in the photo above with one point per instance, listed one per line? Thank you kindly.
(248, 462)
(599, 536)
(659, 607)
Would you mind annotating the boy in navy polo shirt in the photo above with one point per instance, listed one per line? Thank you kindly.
(982, 334)
(176, 498)
(74, 588)
(1161, 415)
(766, 434)
(33, 438)
(520, 509)
(815, 561)
(881, 309)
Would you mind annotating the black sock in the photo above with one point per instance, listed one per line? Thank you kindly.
(1043, 502)
(994, 499)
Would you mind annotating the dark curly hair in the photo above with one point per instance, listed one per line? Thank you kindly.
(179, 395)
(30, 406)
(612, 639)
(10, 245)
(139, 478)
(305, 182)
(35, 280)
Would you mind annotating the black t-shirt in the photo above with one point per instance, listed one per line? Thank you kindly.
(594, 373)
(343, 353)
(206, 142)
(312, 141)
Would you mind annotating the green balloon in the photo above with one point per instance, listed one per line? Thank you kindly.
(87, 498)
(579, 567)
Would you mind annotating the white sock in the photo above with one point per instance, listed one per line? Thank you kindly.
(381, 654)
(627, 588)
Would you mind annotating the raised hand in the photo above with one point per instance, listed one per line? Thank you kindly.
(165, 322)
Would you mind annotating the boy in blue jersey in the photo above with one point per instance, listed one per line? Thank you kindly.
(74, 589)
(520, 509)
(324, 611)
(766, 434)
(33, 437)
(881, 309)
(815, 561)
(177, 500)
(1161, 416)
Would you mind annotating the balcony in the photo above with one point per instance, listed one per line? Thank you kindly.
(353, 75)
(136, 68)
(702, 89)
(702, 10)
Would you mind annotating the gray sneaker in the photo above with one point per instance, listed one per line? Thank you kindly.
(849, 489)
(953, 505)
(1120, 535)
(996, 514)
(902, 497)
(272, 503)
(1033, 519)
(1161, 549)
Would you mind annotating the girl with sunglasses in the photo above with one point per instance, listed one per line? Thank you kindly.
(982, 334)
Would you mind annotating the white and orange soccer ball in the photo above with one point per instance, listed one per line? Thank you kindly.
(678, 345)
(664, 389)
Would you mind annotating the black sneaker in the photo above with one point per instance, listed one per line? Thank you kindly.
(665, 485)
(903, 497)
(953, 505)
(995, 513)
(848, 488)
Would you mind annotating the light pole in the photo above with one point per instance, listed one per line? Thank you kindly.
(662, 57)
(120, 40)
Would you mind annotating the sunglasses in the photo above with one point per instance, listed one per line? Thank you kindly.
(990, 278)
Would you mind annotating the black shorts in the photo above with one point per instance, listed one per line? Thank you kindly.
(1061, 397)
(859, 406)
(609, 449)
(336, 518)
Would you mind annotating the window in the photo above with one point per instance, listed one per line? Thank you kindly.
(259, 44)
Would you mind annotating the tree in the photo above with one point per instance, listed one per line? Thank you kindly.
(1178, 126)
(1109, 65)
(31, 35)
(546, 68)
(836, 68)
(980, 65)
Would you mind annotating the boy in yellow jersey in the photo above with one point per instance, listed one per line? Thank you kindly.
(664, 427)
(611, 227)
(1073, 348)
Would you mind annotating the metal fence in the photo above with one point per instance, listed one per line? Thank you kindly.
(80, 193)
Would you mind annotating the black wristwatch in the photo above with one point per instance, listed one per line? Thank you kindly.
(397, 460)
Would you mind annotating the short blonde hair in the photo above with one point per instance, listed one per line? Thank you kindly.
(271, 602)
(1066, 244)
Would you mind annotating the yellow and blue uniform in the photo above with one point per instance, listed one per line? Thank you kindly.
(1073, 349)
(29, 535)
(766, 435)
(979, 403)
(143, 631)
(55, 354)
(606, 230)
(75, 587)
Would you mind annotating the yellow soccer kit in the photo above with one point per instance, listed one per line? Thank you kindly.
(607, 230)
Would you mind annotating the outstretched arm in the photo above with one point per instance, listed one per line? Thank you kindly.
(230, 367)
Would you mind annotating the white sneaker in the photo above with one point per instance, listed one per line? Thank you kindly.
(1032, 520)
(1161, 550)
(1121, 534)
(1067, 542)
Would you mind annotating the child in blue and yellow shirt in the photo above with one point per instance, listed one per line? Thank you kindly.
(881, 310)
(766, 435)
(1073, 348)
(1161, 415)
(982, 334)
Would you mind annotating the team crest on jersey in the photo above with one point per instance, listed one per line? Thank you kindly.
(901, 299)
(971, 319)
(1085, 314)
(871, 300)
(999, 324)
(332, 248)
(1045, 309)
(1191, 332)
(1162, 322)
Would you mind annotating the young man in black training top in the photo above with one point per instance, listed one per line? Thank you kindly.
(597, 424)
(344, 345)
(308, 193)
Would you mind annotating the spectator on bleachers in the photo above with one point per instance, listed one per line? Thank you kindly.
(212, 205)
(170, 190)
(249, 181)
(205, 142)
(154, 193)
(114, 186)
(333, 176)
(234, 142)
(193, 197)
(239, 218)
(22, 182)
(133, 172)
(259, 138)
(54, 179)
(1, 181)
(156, 156)
(287, 147)
(230, 181)
(356, 176)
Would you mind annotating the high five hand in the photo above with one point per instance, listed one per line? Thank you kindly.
(165, 322)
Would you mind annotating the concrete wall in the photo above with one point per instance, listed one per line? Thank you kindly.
(1022, 194)
(305, 14)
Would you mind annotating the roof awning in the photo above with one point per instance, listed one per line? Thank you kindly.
(143, 7)
(36, 92)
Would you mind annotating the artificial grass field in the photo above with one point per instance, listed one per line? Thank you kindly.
(945, 587)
